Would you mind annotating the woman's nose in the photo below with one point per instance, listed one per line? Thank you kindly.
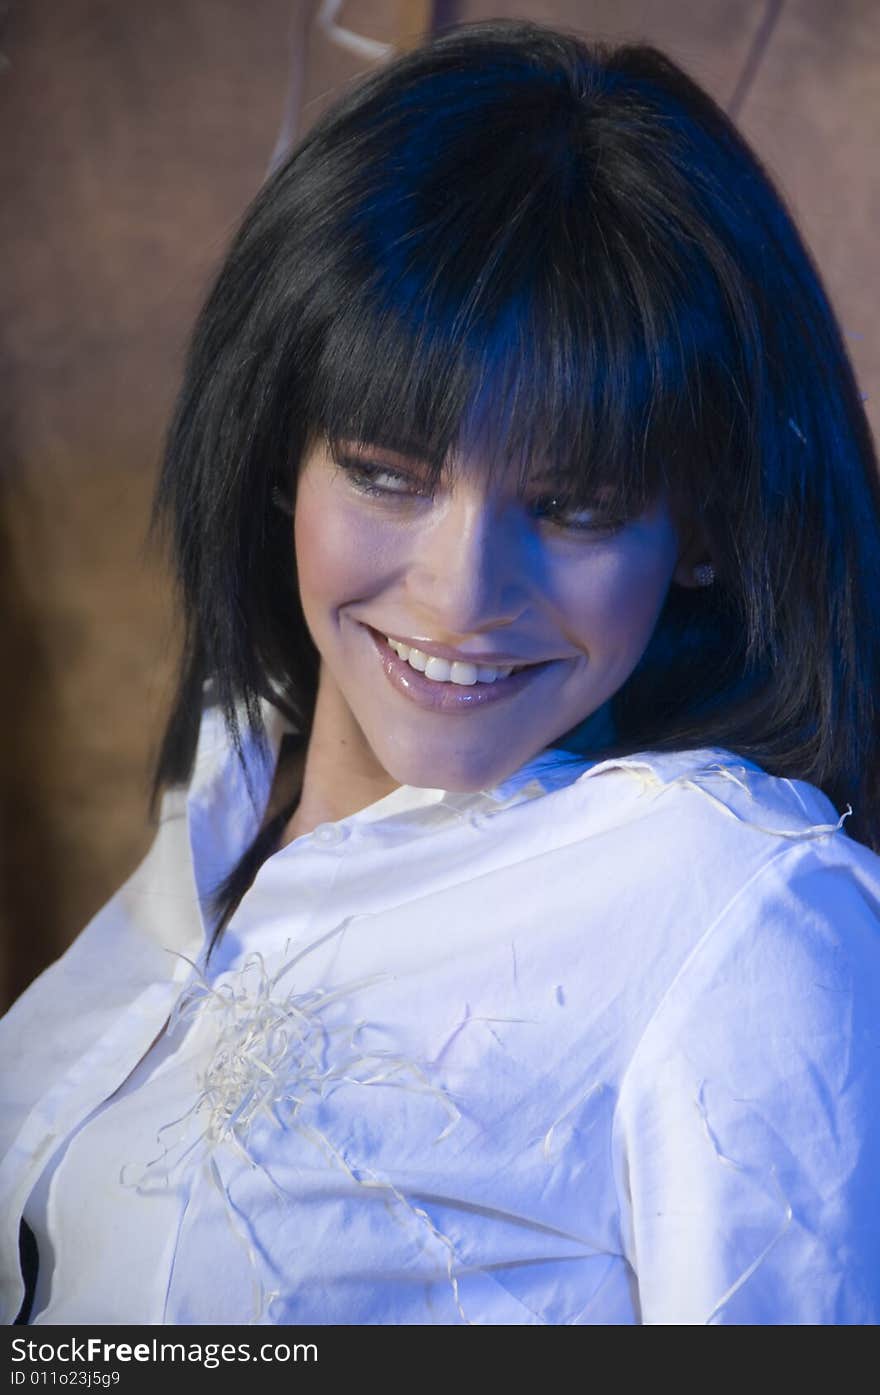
(470, 567)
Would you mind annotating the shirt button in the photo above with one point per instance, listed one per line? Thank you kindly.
(330, 833)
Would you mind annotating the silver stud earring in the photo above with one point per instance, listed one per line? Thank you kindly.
(704, 574)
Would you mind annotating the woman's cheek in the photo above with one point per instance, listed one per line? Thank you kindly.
(341, 553)
(614, 601)
(324, 535)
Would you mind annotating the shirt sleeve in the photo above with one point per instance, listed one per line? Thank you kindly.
(746, 1137)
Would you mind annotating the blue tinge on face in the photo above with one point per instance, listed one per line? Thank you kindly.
(388, 544)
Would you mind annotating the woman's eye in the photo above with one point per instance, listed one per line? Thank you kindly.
(368, 477)
(365, 475)
(579, 520)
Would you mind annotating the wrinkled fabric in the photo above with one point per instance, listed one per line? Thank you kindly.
(596, 1046)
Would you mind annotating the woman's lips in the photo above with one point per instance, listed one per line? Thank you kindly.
(437, 696)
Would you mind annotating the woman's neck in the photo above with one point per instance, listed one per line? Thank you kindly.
(336, 772)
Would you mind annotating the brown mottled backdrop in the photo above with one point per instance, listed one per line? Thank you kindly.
(133, 137)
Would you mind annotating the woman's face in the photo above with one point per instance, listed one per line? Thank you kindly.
(481, 572)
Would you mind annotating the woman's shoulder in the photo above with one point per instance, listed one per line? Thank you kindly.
(781, 978)
(727, 781)
(792, 946)
(734, 860)
(131, 954)
(711, 801)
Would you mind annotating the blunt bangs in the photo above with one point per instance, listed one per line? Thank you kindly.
(570, 388)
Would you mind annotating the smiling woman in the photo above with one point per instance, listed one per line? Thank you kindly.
(466, 573)
(509, 948)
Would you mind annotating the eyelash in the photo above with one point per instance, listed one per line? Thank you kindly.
(362, 475)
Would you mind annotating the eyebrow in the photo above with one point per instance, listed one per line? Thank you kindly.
(397, 446)
(414, 454)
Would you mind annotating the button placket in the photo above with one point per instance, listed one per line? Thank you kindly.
(282, 886)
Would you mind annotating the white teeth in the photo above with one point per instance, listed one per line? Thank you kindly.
(442, 671)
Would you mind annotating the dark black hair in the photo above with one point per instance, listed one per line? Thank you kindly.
(515, 238)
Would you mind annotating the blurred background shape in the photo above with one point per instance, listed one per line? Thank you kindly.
(134, 137)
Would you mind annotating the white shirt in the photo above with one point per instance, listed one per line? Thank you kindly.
(597, 1046)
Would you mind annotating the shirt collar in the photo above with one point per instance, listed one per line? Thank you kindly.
(552, 768)
(223, 821)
